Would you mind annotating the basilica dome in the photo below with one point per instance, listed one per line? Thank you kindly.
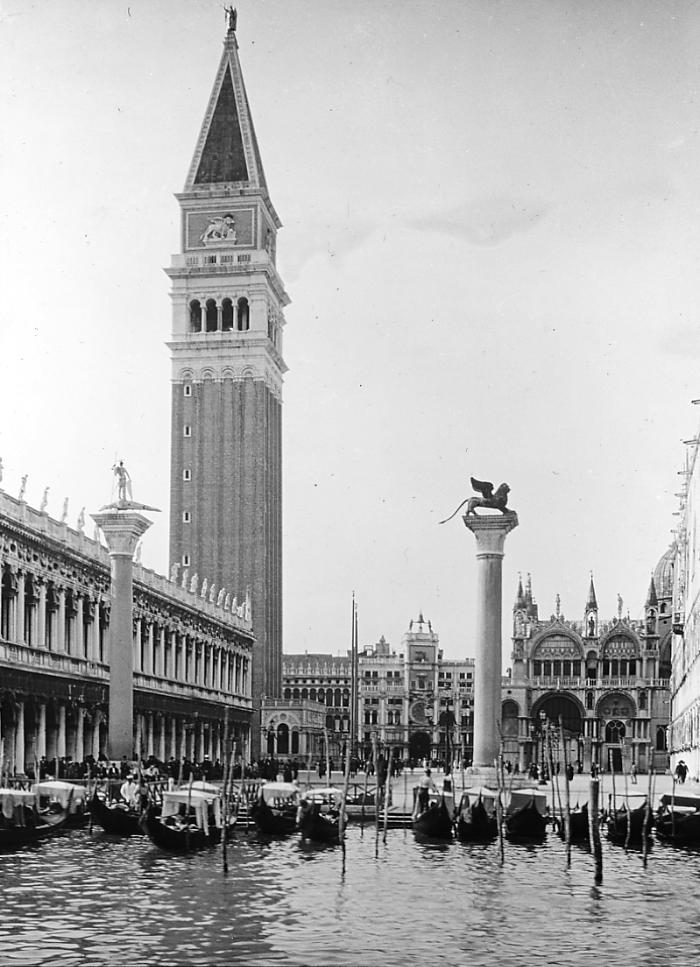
(663, 573)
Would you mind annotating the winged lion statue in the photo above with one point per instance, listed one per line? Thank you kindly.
(489, 499)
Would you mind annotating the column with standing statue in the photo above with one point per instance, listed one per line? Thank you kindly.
(122, 525)
(490, 531)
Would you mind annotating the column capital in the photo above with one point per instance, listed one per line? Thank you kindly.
(490, 531)
(122, 530)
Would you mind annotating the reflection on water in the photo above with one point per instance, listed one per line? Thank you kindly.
(83, 899)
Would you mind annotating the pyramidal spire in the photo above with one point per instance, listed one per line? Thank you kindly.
(652, 599)
(227, 151)
(520, 597)
(528, 590)
(591, 603)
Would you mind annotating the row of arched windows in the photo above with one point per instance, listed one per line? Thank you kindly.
(229, 316)
(334, 698)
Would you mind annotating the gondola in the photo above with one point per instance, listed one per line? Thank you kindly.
(526, 815)
(60, 795)
(433, 819)
(578, 824)
(476, 816)
(617, 825)
(21, 822)
(115, 817)
(678, 820)
(318, 817)
(275, 808)
(189, 819)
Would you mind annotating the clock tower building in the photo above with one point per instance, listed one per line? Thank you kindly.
(227, 372)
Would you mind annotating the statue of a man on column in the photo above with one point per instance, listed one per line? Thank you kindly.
(123, 482)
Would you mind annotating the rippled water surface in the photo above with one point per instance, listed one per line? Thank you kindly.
(95, 899)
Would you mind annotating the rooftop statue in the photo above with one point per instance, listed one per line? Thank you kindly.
(232, 17)
(488, 499)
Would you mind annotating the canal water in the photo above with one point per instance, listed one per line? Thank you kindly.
(94, 899)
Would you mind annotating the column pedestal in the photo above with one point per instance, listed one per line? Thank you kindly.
(490, 533)
(122, 528)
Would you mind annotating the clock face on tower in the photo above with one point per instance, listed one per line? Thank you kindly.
(418, 712)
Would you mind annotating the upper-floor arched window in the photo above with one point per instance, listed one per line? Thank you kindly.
(615, 731)
(243, 315)
(226, 315)
(212, 316)
(195, 316)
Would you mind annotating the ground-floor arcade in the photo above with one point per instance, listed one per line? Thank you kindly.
(608, 729)
(68, 720)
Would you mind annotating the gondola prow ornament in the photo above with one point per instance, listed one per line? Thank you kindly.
(488, 499)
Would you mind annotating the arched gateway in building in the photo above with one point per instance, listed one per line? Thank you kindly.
(551, 715)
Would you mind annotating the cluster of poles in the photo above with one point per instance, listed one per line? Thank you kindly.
(562, 807)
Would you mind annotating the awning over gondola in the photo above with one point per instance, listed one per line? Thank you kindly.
(199, 801)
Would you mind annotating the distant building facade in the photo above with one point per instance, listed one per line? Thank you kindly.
(684, 733)
(192, 654)
(416, 702)
(607, 681)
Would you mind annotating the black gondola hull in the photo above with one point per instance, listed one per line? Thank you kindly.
(476, 824)
(526, 823)
(36, 828)
(273, 822)
(679, 829)
(435, 822)
(317, 826)
(578, 825)
(617, 826)
(115, 819)
(173, 839)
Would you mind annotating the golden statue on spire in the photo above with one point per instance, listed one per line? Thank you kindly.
(232, 17)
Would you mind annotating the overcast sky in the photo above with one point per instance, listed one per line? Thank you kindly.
(491, 216)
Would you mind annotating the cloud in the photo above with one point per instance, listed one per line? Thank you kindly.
(333, 239)
(487, 222)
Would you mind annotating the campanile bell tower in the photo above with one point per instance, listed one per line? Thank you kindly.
(227, 372)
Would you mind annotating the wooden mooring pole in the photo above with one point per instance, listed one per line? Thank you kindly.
(567, 794)
(594, 830)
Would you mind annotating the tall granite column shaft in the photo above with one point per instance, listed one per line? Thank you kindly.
(490, 533)
(122, 530)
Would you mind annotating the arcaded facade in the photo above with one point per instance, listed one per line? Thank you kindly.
(192, 651)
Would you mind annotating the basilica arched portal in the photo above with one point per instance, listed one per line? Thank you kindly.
(551, 714)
